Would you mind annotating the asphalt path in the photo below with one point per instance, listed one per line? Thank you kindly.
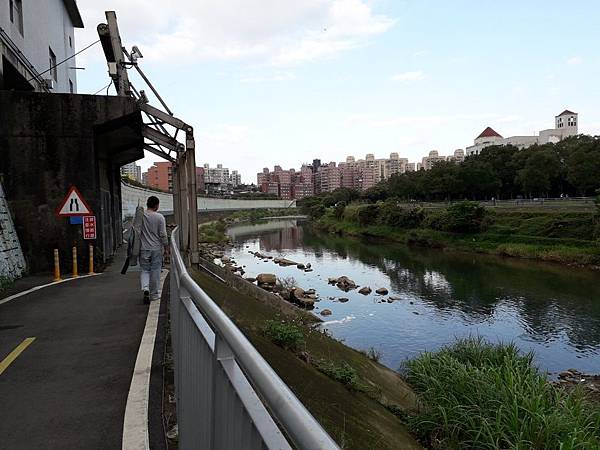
(68, 387)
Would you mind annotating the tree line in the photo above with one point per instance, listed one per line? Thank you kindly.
(570, 167)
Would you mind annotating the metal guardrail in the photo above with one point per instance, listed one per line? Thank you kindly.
(557, 203)
(228, 397)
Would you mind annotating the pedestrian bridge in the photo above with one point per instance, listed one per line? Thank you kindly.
(132, 196)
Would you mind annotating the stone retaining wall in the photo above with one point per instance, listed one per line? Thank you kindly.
(12, 261)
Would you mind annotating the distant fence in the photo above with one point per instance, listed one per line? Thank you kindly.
(580, 203)
(131, 196)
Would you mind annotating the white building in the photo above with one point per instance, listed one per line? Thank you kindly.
(235, 178)
(133, 171)
(565, 125)
(35, 36)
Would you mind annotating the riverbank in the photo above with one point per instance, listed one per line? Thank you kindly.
(560, 237)
(357, 400)
(420, 288)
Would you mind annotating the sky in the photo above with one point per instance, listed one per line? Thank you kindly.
(282, 82)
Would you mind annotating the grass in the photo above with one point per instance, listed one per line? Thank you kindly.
(284, 334)
(482, 396)
(213, 232)
(341, 372)
(5, 283)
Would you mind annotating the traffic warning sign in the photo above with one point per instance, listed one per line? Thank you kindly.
(74, 205)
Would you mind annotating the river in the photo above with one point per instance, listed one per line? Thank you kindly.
(550, 309)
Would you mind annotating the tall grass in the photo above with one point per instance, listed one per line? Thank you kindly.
(482, 396)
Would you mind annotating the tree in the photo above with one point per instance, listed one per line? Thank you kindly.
(540, 170)
(583, 170)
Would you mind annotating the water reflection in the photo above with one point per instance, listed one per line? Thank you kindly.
(551, 309)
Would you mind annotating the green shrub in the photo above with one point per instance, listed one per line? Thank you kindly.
(343, 373)
(463, 217)
(286, 335)
(367, 214)
(482, 396)
(339, 209)
(395, 216)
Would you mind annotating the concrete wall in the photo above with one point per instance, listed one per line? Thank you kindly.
(12, 261)
(132, 195)
(49, 142)
(46, 24)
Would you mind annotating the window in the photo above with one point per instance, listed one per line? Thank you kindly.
(52, 64)
(16, 13)
(71, 87)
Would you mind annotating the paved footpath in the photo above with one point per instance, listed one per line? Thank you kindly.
(67, 386)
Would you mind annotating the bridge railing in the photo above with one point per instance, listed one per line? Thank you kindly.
(228, 397)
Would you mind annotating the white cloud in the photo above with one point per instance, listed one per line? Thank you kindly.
(575, 60)
(408, 76)
(258, 31)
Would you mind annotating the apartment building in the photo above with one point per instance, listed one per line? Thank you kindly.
(35, 37)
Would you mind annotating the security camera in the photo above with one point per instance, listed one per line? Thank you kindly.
(136, 51)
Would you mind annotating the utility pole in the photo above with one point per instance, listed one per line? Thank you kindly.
(113, 50)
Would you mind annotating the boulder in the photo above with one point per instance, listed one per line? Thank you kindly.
(345, 283)
(285, 294)
(382, 291)
(225, 259)
(310, 291)
(300, 266)
(266, 286)
(306, 302)
(298, 293)
(266, 278)
(308, 266)
(308, 270)
(343, 299)
(326, 312)
(394, 299)
(332, 280)
(366, 290)
(286, 262)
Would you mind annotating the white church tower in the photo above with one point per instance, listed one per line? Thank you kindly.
(566, 123)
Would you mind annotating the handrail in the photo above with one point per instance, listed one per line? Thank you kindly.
(302, 428)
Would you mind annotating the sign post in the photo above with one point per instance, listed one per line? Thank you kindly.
(73, 205)
(89, 227)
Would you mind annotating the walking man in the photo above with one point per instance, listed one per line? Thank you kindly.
(154, 243)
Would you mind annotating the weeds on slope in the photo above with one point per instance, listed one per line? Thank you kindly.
(483, 396)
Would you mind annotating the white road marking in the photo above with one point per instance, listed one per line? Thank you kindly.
(135, 424)
(37, 288)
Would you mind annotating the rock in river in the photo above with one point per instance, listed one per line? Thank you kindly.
(326, 312)
(366, 290)
(266, 278)
(382, 291)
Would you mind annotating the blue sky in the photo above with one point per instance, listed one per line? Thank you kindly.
(268, 82)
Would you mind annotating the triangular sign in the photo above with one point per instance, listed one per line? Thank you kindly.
(74, 205)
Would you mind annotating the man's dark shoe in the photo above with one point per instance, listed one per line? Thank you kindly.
(146, 298)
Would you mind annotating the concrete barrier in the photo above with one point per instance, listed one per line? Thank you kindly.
(131, 196)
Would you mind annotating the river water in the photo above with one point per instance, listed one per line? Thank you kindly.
(550, 309)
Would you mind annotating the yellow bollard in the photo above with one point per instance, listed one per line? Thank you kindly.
(56, 266)
(91, 259)
(75, 272)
